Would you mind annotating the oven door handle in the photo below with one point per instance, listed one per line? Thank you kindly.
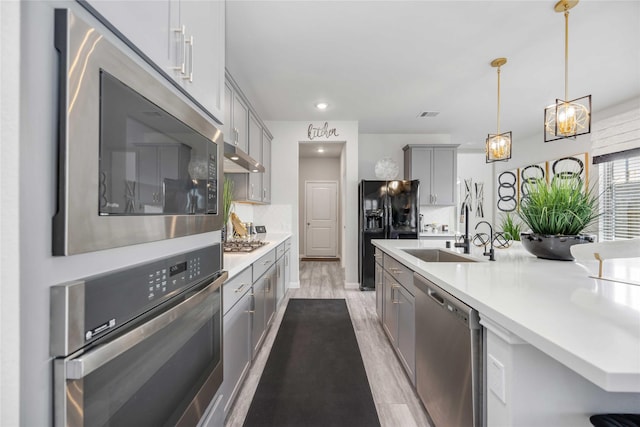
(85, 364)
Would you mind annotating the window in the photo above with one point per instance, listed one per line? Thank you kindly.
(620, 195)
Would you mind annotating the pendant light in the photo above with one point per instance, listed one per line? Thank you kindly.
(567, 119)
(498, 145)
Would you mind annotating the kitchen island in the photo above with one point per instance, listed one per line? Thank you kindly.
(562, 345)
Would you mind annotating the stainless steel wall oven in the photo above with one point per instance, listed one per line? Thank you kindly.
(141, 346)
(137, 163)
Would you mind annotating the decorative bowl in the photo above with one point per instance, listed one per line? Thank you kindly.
(553, 247)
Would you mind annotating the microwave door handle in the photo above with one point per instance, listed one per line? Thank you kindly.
(85, 364)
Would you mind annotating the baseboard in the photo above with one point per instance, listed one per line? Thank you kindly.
(348, 285)
(320, 259)
(294, 285)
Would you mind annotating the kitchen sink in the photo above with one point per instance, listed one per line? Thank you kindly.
(438, 255)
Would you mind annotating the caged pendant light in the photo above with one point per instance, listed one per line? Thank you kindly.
(567, 119)
(498, 145)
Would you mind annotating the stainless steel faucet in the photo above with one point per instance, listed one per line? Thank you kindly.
(491, 253)
(465, 239)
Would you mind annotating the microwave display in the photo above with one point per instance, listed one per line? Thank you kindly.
(151, 163)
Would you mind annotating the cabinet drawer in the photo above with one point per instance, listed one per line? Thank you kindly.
(280, 250)
(378, 256)
(263, 264)
(235, 288)
(400, 273)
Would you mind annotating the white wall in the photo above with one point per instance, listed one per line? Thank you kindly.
(284, 183)
(9, 214)
(317, 169)
(373, 147)
(473, 165)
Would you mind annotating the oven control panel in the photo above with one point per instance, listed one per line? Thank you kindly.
(109, 300)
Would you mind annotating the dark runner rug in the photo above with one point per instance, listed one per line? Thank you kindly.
(314, 375)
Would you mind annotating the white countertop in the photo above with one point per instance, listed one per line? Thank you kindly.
(438, 234)
(591, 326)
(234, 263)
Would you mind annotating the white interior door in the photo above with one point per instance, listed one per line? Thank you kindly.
(321, 212)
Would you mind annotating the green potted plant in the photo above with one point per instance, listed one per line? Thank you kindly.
(557, 214)
(510, 227)
(227, 200)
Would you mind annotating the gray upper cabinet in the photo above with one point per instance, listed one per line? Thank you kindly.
(244, 128)
(266, 161)
(436, 168)
(239, 123)
(255, 151)
(185, 39)
(236, 118)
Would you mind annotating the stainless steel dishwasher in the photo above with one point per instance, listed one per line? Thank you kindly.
(448, 356)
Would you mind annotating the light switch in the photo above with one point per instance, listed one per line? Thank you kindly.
(496, 378)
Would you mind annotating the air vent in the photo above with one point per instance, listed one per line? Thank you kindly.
(428, 114)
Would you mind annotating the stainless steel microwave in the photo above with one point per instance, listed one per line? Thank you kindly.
(136, 162)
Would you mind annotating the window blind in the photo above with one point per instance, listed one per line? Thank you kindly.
(620, 198)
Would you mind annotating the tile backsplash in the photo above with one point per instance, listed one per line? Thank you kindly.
(439, 215)
(276, 218)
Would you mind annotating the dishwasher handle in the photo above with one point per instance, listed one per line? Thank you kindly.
(435, 296)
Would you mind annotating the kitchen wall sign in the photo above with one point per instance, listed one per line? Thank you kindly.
(320, 132)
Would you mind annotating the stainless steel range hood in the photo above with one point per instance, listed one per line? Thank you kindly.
(237, 161)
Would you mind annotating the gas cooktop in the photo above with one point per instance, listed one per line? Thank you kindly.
(243, 246)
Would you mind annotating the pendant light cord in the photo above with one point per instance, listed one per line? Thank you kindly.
(566, 54)
(498, 124)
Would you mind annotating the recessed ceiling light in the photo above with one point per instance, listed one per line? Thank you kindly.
(234, 157)
(322, 105)
(320, 150)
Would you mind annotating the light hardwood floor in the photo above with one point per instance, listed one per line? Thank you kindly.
(396, 401)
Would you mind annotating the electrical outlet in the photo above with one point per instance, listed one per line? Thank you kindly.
(496, 378)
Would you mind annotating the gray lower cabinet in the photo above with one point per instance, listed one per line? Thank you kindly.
(280, 288)
(379, 280)
(264, 297)
(237, 303)
(236, 348)
(258, 324)
(270, 295)
(406, 339)
(390, 313)
(397, 305)
(283, 261)
(287, 272)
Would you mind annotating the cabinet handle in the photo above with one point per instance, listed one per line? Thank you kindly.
(251, 311)
(189, 75)
(239, 288)
(181, 42)
(393, 289)
(267, 262)
(251, 195)
(264, 194)
(435, 198)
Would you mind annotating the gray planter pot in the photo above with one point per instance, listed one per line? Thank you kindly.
(553, 247)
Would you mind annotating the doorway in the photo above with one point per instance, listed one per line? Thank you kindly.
(320, 177)
(321, 219)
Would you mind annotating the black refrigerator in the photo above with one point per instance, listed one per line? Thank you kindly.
(387, 210)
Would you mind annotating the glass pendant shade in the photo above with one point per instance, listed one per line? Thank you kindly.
(567, 119)
(498, 147)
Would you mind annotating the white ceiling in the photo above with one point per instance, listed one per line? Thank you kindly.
(383, 62)
(328, 149)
